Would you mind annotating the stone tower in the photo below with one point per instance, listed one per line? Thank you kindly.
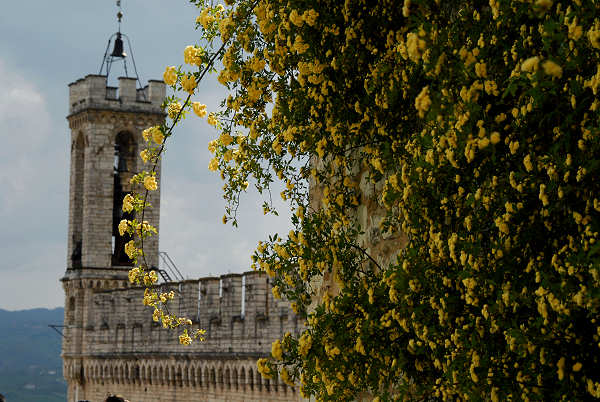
(106, 125)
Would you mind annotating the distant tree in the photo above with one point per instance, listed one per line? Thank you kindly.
(479, 124)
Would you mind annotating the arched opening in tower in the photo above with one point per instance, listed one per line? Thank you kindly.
(78, 159)
(123, 170)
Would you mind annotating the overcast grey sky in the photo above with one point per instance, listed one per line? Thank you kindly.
(45, 45)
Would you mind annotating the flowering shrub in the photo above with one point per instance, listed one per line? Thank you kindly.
(479, 123)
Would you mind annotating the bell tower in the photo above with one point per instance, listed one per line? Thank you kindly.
(106, 126)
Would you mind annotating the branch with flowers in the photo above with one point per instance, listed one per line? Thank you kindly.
(477, 125)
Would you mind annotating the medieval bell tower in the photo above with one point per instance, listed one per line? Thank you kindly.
(106, 138)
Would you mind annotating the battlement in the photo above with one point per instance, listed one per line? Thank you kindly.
(92, 92)
(237, 311)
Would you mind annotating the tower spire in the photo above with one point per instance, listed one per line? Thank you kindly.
(118, 52)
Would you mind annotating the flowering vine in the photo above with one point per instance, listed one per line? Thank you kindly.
(441, 161)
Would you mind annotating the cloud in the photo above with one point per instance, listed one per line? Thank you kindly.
(193, 234)
(32, 196)
(26, 124)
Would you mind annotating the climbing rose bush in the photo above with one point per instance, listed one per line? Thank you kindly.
(477, 124)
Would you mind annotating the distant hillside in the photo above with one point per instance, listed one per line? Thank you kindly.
(30, 363)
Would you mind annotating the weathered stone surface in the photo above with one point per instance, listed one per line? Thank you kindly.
(111, 344)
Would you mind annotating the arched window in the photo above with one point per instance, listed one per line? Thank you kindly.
(77, 174)
(71, 311)
(124, 169)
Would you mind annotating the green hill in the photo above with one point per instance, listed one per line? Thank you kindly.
(30, 363)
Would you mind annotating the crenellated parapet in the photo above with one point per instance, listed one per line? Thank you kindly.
(92, 92)
(237, 311)
(123, 350)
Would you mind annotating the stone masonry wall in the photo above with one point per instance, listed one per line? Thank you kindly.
(123, 351)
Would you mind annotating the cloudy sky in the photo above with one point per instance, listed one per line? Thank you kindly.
(45, 45)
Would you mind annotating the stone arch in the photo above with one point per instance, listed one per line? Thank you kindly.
(179, 373)
(125, 155)
(235, 379)
(227, 379)
(242, 380)
(258, 379)
(71, 311)
(251, 378)
(170, 374)
(186, 375)
(213, 377)
(198, 376)
(206, 376)
(192, 376)
(220, 381)
(77, 178)
(136, 377)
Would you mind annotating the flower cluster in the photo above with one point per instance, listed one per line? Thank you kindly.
(448, 247)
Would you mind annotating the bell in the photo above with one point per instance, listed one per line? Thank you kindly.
(118, 49)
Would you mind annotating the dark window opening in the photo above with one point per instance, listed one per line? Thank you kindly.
(123, 170)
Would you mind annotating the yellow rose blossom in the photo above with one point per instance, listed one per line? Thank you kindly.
(551, 68)
(531, 64)
(199, 109)
(225, 139)
(128, 203)
(145, 155)
(157, 135)
(146, 134)
(174, 109)
(277, 350)
(123, 225)
(213, 165)
(150, 183)
(188, 83)
(423, 102)
(130, 249)
(170, 76)
(193, 55)
(212, 120)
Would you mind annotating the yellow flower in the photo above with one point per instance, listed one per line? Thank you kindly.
(170, 75)
(212, 120)
(193, 55)
(133, 274)
(157, 135)
(146, 134)
(174, 109)
(285, 376)
(123, 225)
(213, 164)
(275, 291)
(481, 70)
(414, 46)
(212, 146)
(594, 37)
(277, 350)
(304, 344)
(199, 109)
(150, 183)
(128, 203)
(225, 139)
(188, 83)
(130, 249)
(145, 155)
(423, 101)
(531, 64)
(184, 338)
(551, 68)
